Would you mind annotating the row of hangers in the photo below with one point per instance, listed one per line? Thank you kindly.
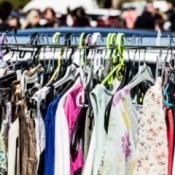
(117, 75)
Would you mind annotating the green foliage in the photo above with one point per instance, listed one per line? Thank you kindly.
(17, 3)
(172, 1)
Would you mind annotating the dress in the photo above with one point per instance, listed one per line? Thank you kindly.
(119, 156)
(152, 149)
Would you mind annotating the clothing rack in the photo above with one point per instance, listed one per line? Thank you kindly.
(29, 42)
(46, 40)
(61, 118)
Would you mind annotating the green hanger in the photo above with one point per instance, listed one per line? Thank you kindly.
(118, 68)
(112, 43)
(80, 46)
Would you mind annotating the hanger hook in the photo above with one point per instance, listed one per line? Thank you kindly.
(95, 37)
(73, 37)
(55, 37)
(33, 39)
(3, 38)
(39, 36)
(88, 39)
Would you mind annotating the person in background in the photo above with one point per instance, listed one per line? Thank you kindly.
(146, 20)
(80, 18)
(159, 19)
(129, 16)
(5, 10)
(159, 22)
(32, 19)
(14, 21)
(170, 11)
(171, 17)
(50, 16)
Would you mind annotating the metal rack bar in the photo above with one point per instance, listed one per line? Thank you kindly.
(46, 40)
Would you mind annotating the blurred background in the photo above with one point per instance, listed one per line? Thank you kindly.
(128, 14)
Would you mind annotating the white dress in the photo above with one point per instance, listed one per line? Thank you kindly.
(62, 144)
(119, 157)
(100, 97)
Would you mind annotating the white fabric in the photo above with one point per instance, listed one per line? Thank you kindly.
(152, 149)
(120, 148)
(173, 171)
(90, 157)
(12, 140)
(100, 97)
(39, 124)
(62, 145)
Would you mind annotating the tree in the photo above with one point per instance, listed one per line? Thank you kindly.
(172, 1)
(17, 3)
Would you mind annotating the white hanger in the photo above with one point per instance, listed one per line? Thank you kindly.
(144, 74)
(71, 73)
(160, 62)
(26, 79)
(80, 99)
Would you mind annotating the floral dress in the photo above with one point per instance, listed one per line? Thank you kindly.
(119, 156)
(152, 150)
(3, 151)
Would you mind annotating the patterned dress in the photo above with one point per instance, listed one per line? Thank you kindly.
(119, 156)
(3, 151)
(152, 150)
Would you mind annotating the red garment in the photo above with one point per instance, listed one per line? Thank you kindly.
(170, 136)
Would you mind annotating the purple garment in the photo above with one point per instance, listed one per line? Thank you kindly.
(72, 112)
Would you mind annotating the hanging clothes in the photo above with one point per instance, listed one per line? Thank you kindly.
(72, 112)
(62, 142)
(49, 121)
(119, 154)
(86, 113)
(170, 138)
(152, 138)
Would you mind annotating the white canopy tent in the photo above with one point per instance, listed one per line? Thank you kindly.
(60, 6)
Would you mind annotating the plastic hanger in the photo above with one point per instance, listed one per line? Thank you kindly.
(144, 74)
(98, 58)
(12, 74)
(55, 41)
(71, 74)
(160, 65)
(80, 99)
(160, 62)
(113, 55)
(117, 70)
(72, 71)
(3, 38)
(166, 96)
(29, 77)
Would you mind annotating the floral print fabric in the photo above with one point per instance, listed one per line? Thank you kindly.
(152, 150)
(120, 148)
(3, 151)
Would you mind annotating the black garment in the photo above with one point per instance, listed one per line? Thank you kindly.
(145, 21)
(5, 94)
(41, 164)
(4, 27)
(169, 14)
(172, 20)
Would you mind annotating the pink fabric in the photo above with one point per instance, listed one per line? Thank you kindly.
(72, 112)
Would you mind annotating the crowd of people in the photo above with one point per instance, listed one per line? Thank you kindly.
(150, 19)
